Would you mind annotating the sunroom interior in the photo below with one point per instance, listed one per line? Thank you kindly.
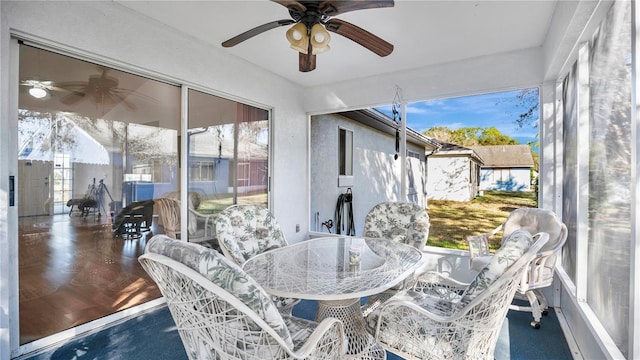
(239, 118)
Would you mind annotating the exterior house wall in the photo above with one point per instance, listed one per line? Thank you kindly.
(512, 179)
(448, 178)
(376, 175)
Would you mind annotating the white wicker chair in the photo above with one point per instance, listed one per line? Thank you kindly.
(169, 209)
(244, 231)
(542, 267)
(404, 222)
(222, 313)
(446, 321)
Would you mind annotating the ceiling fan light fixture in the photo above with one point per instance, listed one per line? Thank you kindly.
(38, 92)
(297, 36)
(319, 39)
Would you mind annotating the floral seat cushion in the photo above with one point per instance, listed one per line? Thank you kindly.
(222, 272)
(404, 222)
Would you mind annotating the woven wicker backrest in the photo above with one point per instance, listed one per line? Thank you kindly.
(224, 273)
(170, 215)
(193, 201)
(403, 222)
(244, 231)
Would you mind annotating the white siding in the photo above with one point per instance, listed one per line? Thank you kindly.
(509, 179)
(448, 178)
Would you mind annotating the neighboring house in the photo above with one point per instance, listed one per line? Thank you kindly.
(506, 167)
(356, 150)
(453, 173)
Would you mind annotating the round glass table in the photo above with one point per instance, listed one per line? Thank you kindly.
(337, 272)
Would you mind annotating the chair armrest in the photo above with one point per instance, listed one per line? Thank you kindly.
(432, 307)
(479, 244)
(436, 284)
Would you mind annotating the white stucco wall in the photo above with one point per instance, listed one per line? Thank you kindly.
(376, 174)
(448, 178)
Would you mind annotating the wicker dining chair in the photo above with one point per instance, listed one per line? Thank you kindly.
(244, 231)
(404, 222)
(444, 321)
(169, 209)
(222, 313)
(542, 268)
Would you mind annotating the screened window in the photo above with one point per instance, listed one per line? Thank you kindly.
(600, 117)
(345, 152)
(610, 160)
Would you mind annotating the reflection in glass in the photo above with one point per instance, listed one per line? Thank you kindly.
(228, 157)
(97, 134)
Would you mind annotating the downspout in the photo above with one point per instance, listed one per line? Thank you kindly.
(426, 175)
(403, 152)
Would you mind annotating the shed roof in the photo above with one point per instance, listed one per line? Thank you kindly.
(505, 156)
(448, 149)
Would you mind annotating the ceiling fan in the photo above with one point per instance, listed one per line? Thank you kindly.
(101, 88)
(312, 20)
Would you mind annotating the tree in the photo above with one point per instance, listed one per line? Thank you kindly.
(471, 136)
(526, 104)
(493, 136)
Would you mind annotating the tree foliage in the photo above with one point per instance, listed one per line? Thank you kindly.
(471, 136)
(526, 105)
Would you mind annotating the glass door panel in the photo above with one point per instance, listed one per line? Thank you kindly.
(228, 158)
(92, 141)
(253, 159)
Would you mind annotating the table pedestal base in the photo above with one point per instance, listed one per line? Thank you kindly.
(361, 344)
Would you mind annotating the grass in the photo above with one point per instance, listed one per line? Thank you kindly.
(222, 201)
(453, 221)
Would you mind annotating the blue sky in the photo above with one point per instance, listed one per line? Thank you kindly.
(496, 109)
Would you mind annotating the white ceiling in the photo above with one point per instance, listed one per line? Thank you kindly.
(423, 33)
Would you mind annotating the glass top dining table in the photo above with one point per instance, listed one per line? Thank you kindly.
(333, 268)
(337, 271)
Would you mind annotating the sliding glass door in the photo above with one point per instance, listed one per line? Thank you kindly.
(228, 158)
(92, 140)
(96, 142)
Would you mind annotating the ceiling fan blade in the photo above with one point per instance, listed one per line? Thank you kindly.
(55, 88)
(291, 3)
(306, 62)
(135, 95)
(119, 98)
(72, 98)
(360, 35)
(255, 31)
(333, 8)
(72, 85)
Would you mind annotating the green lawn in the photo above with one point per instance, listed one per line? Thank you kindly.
(453, 221)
